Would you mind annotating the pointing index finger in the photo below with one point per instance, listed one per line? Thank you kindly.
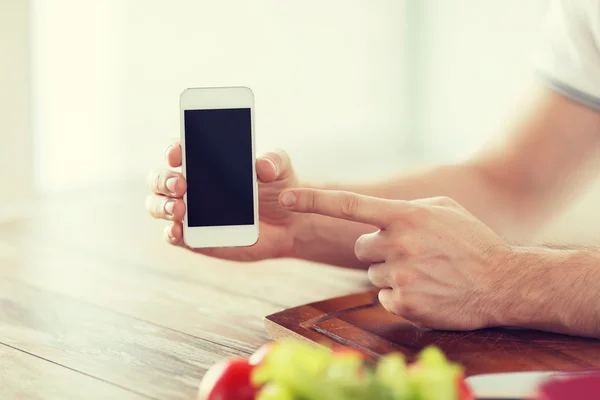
(339, 204)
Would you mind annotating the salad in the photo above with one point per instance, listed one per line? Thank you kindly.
(298, 370)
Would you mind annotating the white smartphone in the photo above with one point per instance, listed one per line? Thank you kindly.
(218, 162)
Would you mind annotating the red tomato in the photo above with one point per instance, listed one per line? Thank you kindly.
(228, 380)
(464, 391)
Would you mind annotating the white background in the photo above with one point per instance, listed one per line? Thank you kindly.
(351, 89)
(327, 76)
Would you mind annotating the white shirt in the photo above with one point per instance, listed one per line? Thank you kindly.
(569, 57)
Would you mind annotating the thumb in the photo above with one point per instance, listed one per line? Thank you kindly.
(272, 166)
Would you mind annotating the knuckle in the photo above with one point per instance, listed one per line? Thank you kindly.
(159, 208)
(397, 307)
(403, 278)
(412, 245)
(153, 206)
(372, 273)
(159, 182)
(360, 248)
(349, 205)
(395, 278)
(376, 273)
(418, 215)
(406, 308)
(393, 303)
(311, 201)
(445, 201)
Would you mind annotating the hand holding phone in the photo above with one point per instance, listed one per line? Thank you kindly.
(218, 163)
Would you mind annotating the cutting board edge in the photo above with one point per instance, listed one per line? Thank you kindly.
(277, 332)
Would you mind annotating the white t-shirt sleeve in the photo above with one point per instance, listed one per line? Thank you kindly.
(568, 59)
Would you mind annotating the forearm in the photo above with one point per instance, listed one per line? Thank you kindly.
(491, 200)
(329, 240)
(550, 289)
(513, 187)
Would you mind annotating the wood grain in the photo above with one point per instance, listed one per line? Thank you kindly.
(144, 358)
(27, 377)
(157, 282)
(117, 230)
(88, 285)
(199, 310)
(360, 321)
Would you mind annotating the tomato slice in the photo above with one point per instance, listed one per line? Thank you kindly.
(228, 380)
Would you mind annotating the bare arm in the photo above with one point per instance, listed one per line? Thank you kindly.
(439, 267)
(550, 289)
(513, 186)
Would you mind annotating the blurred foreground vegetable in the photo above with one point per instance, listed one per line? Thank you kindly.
(228, 380)
(299, 370)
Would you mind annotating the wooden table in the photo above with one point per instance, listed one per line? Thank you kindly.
(94, 304)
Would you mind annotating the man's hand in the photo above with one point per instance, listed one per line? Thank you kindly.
(277, 226)
(436, 263)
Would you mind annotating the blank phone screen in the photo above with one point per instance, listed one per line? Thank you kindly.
(218, 152)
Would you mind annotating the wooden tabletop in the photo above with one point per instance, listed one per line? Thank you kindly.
(94, 304)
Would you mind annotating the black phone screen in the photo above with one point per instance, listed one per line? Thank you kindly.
(218, 152)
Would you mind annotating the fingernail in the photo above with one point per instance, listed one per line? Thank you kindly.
(171, 183)
(288, 199)
(167, 151)
(169, 206)
(274, 166)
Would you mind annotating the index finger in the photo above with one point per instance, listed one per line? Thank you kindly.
(340, 204)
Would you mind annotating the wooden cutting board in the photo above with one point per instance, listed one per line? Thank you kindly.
(360, 321)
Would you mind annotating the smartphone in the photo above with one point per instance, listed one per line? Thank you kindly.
(218, 163)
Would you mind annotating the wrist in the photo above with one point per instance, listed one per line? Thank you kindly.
(520, 296)
(538, 289)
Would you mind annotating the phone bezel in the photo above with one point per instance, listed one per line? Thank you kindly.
(209, 99)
